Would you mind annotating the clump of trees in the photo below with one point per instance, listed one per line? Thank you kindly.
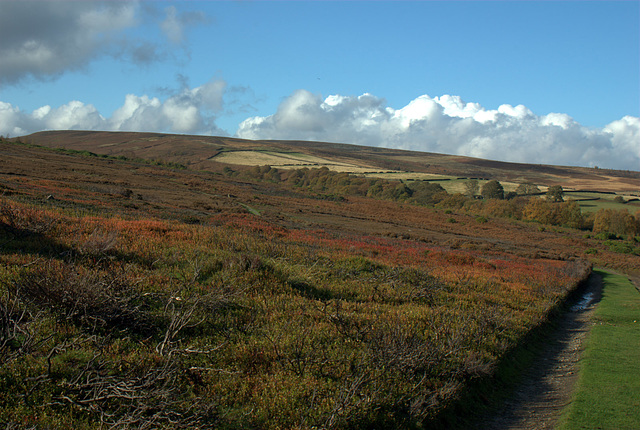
(567, 214)
(325, 182)
(523, 204)
(618, 222)
(427, 193)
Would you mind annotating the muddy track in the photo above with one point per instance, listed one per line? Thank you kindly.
(547, 387)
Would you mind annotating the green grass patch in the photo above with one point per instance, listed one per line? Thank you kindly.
(604, 201)
(251, 210)
(608, 392)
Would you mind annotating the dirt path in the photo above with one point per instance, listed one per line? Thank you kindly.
(547, 387)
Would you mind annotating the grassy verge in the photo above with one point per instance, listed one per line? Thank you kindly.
(608, 392)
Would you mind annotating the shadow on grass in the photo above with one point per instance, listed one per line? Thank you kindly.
(27, 242)
(309, 291)
(21, 241)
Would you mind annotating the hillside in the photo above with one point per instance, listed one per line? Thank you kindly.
(141, 294)
(207, 152)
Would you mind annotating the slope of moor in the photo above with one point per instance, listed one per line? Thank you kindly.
(202, 152)
(135, 295)
(184, 193)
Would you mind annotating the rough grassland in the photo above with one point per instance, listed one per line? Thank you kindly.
(608, 395)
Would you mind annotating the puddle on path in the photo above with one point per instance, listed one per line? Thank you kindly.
(584, 303)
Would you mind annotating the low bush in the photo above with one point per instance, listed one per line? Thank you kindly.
(481, 220)
(622, 247)
(17, 328)
(23, 220)
(88, 297)
(605, 235)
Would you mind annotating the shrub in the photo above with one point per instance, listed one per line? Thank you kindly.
(555, 193)
(24, 220)
(16, 328)
(492, 190)
(622, 247)
(88, 298)
(99, 242)
(605, 235)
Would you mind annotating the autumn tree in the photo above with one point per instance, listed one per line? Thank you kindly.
(555, 193)
(620, 222)
(571, 215)
(471, 187)
(527, 188)
(492, 190)
(427, 193)
(567, 214)
(538, 210)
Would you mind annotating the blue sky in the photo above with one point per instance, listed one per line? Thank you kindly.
(541, 82)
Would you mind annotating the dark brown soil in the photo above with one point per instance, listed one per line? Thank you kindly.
(547, 387)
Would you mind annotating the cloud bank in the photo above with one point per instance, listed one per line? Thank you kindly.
(187, 111)
(449, 125)
(45, 39)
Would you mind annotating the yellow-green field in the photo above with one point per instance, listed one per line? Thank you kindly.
(287, 160)
(603, 201)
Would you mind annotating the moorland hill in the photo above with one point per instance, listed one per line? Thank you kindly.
(209, 152)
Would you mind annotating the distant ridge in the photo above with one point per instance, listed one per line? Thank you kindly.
(201, 152)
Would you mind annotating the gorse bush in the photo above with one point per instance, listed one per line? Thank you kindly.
(623, 247)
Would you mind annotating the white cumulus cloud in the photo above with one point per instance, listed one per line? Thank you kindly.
(188, 110)
(447, 124)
